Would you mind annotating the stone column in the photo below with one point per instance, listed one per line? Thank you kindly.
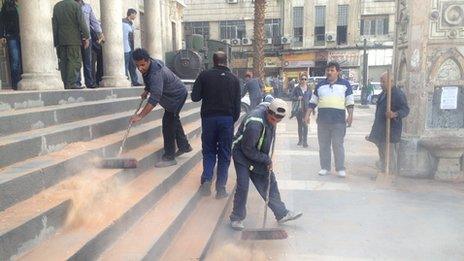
(308, 27)
(39, 59)
(153, 32)
(113, 50)
(428, 62)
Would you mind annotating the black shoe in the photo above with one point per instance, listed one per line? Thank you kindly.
(205, 189)
(221, 193)
(305, 145)
(182, 151)
(165, 162)
(299, 143)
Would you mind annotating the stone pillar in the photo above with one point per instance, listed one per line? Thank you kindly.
(39, 59)
(428, 58)
(113, 49)
(308, 27)
(153, 32)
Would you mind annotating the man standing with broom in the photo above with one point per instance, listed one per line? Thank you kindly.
(251, 148)
(399, 110)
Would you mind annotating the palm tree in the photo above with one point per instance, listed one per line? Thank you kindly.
(258, 43)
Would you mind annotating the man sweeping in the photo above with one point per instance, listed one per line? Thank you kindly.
(251, 154)
(167, 90)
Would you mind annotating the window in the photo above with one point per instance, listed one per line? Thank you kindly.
(374, 25)
(298, 24)
(232, 29)
(197, 28)
(319, 28)
(342, 24)
(272, 28)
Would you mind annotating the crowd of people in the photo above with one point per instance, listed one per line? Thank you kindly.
(78, 39)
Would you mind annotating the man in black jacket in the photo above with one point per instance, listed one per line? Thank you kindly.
(9, 34)
(399, 110)
(251, 149)
(219, 91)
(168, 90)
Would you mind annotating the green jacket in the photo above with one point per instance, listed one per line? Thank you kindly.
(69, 26)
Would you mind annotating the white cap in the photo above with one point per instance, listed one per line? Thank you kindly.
(278, 106)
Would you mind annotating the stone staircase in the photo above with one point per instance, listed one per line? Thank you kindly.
(56, 205)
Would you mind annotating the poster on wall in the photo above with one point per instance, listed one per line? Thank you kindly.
(449, 98)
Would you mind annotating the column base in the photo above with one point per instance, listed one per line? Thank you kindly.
(414, 161)
(40, 81)
(449, 170)
(115, 81)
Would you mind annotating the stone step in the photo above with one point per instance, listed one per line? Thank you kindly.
(194, 237)
(24, 179)
(155, 232)
(31, 99)
(25, 145)
(42, 117)
(36, 223)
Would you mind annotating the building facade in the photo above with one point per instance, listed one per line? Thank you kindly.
(301, 35)
(158, 28)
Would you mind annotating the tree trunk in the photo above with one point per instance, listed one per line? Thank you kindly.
(258, 42)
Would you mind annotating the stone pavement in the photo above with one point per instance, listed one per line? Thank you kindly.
(352, 218)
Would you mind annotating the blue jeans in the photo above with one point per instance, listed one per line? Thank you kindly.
(87, 64)
(14, 51)
(216, 138)
(130, 68)
(260, 181)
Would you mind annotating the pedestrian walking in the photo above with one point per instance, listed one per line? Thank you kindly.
(167, 90)
(219, 91)
(301, 97)
(9, 35)
(254, 87)
(399, 110)
(95, 28)
(333, 96)
(70, 32)
(128, 40)
(252, 160)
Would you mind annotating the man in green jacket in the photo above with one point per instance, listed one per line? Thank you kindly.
(69, 32)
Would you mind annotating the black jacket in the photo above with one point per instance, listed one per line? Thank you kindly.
(164, 86)
(220, 91)
(297, 92)
(245, 149)
(399, 104)
(9, 19)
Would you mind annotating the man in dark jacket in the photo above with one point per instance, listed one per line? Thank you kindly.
(69, 32)
(168, 90)
(399, 110)
(219, 91)
(251, 149)
(254, 87)
(9, 34)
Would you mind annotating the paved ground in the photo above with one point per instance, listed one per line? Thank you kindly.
(352, 218)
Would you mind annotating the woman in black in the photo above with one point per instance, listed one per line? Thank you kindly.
(301, 96)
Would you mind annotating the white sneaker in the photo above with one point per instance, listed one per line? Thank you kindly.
(323, 172)
(290, 216)
(237, 225)
(341, 173)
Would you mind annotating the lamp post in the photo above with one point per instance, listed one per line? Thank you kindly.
(365, 68)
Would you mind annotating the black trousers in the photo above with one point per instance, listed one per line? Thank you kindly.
(302, 128)
(173, 132)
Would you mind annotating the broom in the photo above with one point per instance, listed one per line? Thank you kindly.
(265, 233)
(385, 178)
(118, 162)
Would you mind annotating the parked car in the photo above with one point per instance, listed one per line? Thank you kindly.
(357, 92)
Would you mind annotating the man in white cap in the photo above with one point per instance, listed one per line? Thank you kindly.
(251, 153)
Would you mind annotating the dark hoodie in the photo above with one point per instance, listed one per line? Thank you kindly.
(164, 86)
(9, 19)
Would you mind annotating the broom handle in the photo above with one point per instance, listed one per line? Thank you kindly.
(268, 184)
(128, 129)
(387, 137)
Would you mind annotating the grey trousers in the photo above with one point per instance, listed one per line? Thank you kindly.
(331, 135)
